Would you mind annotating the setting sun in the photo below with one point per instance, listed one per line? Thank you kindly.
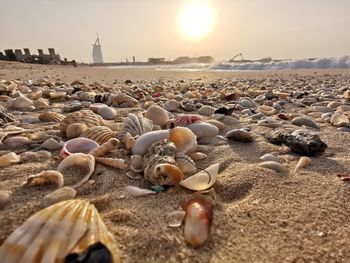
(196, 19)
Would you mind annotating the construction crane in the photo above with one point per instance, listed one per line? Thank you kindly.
(238, 55)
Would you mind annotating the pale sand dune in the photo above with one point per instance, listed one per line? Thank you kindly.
(260, 216)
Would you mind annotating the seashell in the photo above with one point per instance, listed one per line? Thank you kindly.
(303, 162)
(338, 120)
(171, 105)
(185, 164)
(136, 163)
(99, 134)
(240, 135)
(80, 160)
(143, 142)
(87, 117)
(300, 121)
(107, 113)
(112, 162)
(57, 95)
(175, 218)
(105, 148)
(183, 138)
(346, 94)
(135, 125)
(51, 144)
(16, 141)
(45, 178)
(51, 116)
(203, 129)
(39, 156)
(198, 219)
(247, 103)
(267, 110)
(137, 191)
(50, 235)
(4, 198)
(187, 105)
(59, 195)
(269, 157)
(8, 159)
(220, 125)
(129, 141)
(334, 104)
(203, 179)
(35, 95)
(168, 174)
(185, 120)
(158, 115)
(274, 166)
(268, 122)
(206, 110)
(74, 130)
(78, 145)
(5, 117)
(20, 102)
(323, 109)
(196, 156)
(121, 100)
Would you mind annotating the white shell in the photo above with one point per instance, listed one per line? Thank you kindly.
(269, 157)
(200, 181)
(137, 191)
(143, 142)
(203, 129)
(175, 218)
(135, 125)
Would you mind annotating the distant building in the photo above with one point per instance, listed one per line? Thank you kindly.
(97, 52)
(156, 60)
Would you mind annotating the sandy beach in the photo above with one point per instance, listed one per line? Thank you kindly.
(260, 215)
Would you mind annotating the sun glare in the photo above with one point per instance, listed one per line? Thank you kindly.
(196, 19)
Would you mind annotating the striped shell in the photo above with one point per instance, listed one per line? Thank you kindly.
(136, 125)
(206, 110)
(57, 231)
(87, 117)
(51, 116)
(217, 123)
(99, 134)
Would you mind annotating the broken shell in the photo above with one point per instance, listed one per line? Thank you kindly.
(185, 163)
(53, 233)
(61, 194)
(175, 218)
(171, 105)
(4, 198)
(220, 125)
(78, 145)
(183, 138)
(79, 160)
(338, 120)
(206, 110)
(300, 121)
(170, 174)
(51, 144)
(9, 158)
(74, 130)
(274, 166)
(203, 129)
(143, 142)
(203, 179)
(158, 115)
(135, 125)
(99, 134)
(136, 163)
(137, 191)
(198, 219)
(87, 117)
(303, 162)
(44, 178)
(105, 148)
(112, 162)
(50, 116)
(240, 135)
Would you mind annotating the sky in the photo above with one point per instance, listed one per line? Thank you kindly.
(149, 28)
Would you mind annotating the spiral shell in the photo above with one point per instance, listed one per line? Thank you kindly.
(57, 231)
(99, 134)
(206, 110)
(87, 117)
(136, 125)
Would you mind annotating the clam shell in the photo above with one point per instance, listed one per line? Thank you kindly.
(8, 159)
(99, 134)
(203, 129)
(269, 157)
(135, 125)
(206, 110)
(107, 113)
(51, 144)
(158, 115)
(57, 231)
(78, 145)
(51, 117)
(87, 117)
(203, 179)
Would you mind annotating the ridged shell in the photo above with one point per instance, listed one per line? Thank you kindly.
(99, 134)
(51, 116)
(206, 110)
(136, 125)
(220, 125)
(56, 231)
(87, 117)
(185, 163)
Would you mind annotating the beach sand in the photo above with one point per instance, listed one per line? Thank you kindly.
(259, 216)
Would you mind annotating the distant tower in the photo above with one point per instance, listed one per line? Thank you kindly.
(97, 52)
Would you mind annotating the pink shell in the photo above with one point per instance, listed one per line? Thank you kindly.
(78, 145)
(184, 120)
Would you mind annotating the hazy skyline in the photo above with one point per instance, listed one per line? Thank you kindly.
(148, 28)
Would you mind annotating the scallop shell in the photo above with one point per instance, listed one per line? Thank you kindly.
(87, 117)
(99, 134)
(185, 164)
(203, 179)
(203, 129)
(220, 125)
(185, 120)
(79, 160)
(158, 115)
(136, 125)
(51, 116)
(206, 110)
(57, 231)
(45, 178)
